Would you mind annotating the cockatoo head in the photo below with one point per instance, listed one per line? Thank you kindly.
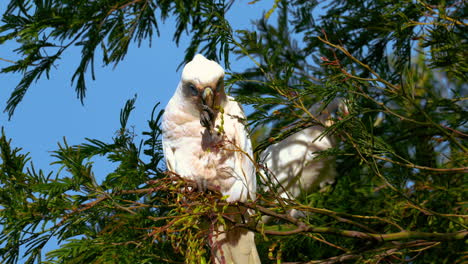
(202, 85)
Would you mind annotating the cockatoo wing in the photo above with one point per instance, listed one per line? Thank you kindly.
(244, 187)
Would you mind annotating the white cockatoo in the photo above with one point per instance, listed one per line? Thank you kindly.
(204, 140)
(291, 164)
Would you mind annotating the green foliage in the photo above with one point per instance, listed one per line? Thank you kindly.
(403, 150)
(85, 215)
(400, 194)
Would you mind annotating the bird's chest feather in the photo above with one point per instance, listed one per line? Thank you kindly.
(198, 153)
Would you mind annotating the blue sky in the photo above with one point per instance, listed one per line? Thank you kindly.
(50, 110)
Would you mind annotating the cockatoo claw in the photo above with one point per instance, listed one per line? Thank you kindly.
(207, 117)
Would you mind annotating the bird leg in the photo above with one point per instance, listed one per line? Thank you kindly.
(202, 184)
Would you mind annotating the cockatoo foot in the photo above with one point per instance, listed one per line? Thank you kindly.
(207, 117)
(202, 184)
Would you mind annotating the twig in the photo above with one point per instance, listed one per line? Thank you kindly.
(303, 227)
(455, 131)
(442, 170)
(367, 67)
(328, 243)
(10, 61)
(384, 252)
(430, 9)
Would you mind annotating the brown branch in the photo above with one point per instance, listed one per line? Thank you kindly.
(330, 213)
(387, 109)
(455, 131)
(10, 61)
(384, 252)
(442, 170)
(327, 242)
(302, 227)
(370, 236)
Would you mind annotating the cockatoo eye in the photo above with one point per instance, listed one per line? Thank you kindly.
(193, 90)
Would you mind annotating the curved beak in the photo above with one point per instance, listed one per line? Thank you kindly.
(208, 97)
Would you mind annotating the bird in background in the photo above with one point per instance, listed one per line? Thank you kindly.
(292, 169)
(205, 141)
